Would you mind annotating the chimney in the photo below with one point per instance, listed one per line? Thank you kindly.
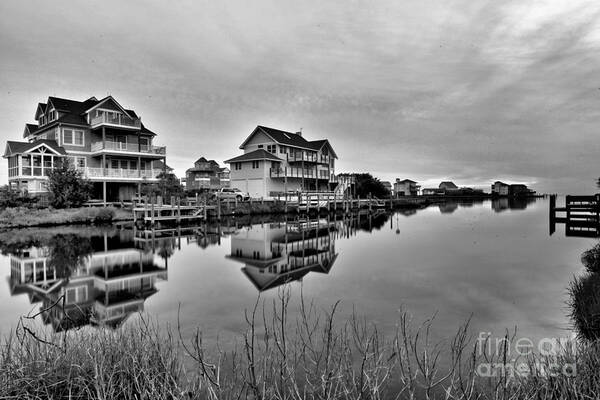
(299, 133)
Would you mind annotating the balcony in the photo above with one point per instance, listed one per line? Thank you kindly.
(109, 146)
(291, 173)
(116, 120)
(120, 173)
(313, 158)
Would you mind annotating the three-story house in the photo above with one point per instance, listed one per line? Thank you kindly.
(107, 142)
(276, 161)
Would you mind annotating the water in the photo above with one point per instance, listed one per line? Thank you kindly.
(493, 262)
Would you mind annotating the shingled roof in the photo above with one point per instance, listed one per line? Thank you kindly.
(74, 111)
(23, 147)
(259, 154)
(288, 139)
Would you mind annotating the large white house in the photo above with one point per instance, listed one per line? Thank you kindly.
(277, 161)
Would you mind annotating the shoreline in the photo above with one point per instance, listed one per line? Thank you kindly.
(22, 217)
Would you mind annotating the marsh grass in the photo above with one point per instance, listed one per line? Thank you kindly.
(26, 217)
(316, 355)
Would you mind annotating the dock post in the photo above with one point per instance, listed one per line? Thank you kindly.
(370, 202)
(318, 203)
(178, 210)
(152, 211)
(285, 210)
(205, 208)
(218, 210)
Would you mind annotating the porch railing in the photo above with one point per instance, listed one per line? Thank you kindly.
(118, 119)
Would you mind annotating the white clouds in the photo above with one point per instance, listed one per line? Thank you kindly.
(431, 88)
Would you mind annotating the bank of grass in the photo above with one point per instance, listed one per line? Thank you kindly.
(19, 217)
(314, 356)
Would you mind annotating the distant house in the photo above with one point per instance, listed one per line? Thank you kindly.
(500, 188)
(433, 192)
(520, 190)
(505, 189)
(406, 187)
(276, 161)
(206, 175)
(448, 186)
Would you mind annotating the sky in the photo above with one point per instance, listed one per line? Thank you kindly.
(461, 90)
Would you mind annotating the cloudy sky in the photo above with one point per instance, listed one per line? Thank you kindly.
(471, 91)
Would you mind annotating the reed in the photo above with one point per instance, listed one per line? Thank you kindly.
(316, 355)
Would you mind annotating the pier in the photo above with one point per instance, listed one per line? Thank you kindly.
(580, 215)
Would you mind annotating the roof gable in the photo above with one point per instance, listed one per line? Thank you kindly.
(13, 148)
(41, 109)
(280, 137)
(319, 144)
(110, 102)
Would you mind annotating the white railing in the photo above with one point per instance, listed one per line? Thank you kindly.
(118, 119)
(130, 147)
(317, 158)
(120, 173)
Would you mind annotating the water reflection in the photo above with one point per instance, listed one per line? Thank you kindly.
(277, 253)
(84, 279)
(511, 203)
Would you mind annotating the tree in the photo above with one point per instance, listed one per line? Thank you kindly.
(168, 185)
(366, 184)
(67, 186)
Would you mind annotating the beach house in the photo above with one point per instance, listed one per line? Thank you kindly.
(276, 161)
(107, 142)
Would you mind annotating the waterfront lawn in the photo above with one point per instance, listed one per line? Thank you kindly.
(19, 217)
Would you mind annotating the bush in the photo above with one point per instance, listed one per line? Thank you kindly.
(15, 198)
(67, 186)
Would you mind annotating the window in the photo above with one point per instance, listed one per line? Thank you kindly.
(282, 149)
(237, 166)
(52, 115)
(255, 164)
(272, 148)
(76, 294)
(133, 164)
(143, 165)
(72, 137)
(78, 162)
(144, 144)
(260, 146)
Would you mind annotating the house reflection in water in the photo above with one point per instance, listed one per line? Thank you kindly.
(277, 253)
(511, 203)
(102, 287)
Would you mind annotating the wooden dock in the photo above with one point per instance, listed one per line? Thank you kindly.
(154, 211)
(580, 215)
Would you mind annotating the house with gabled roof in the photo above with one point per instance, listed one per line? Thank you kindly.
(107, 142)
(276, 161)
(206, 175)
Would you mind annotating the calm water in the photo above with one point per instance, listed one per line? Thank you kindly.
(494, 261)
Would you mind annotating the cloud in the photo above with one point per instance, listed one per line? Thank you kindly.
(419, 89)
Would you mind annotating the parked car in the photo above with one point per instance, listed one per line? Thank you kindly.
(230, 194)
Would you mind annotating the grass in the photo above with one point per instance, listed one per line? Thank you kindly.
(316, 356)
(19, 217)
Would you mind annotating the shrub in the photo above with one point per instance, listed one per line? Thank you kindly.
(67, 186)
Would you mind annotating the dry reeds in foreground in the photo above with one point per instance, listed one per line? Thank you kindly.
(313, 356)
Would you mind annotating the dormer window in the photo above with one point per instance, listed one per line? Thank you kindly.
(52, 115)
